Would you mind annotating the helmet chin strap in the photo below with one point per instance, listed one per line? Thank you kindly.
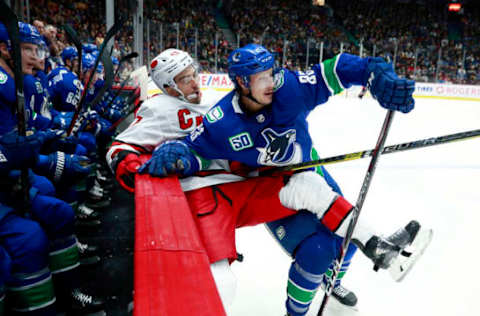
(183, 97)
(250, 97)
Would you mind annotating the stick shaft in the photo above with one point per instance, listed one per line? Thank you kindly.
(358, 207)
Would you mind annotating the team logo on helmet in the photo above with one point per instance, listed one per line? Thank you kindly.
(236, 57)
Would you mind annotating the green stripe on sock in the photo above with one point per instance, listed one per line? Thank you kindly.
(329, 273)
(64, 259)
(32, 297)
(301, 295)
(331, 76)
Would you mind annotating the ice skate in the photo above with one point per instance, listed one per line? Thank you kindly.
(384, 252)
(84, 302)
(344, 296)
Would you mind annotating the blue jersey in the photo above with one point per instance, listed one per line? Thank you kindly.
(36, 103)
(64, 89)
(40, 75)
(278, 134)
(7, 99)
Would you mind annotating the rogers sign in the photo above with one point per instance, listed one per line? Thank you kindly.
(426, 90)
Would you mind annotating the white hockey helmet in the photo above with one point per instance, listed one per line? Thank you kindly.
(167, 65)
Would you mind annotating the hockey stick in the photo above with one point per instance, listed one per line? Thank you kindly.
(111, 32)
(72, 35)
(123, 59)
(107, 64)
(10, 20)
(117, 93)
(421, 143)
(120, 120)
(358, 207)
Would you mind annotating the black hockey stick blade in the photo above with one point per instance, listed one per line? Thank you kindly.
(128, 57)
(119, 90)
(73, 36)
(107, 64)
(111, 32)
(10, 20)
(123, 59)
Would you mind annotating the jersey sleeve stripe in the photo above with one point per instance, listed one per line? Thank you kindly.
(322, 67)
(330, 75)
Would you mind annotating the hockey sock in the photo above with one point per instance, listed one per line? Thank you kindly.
(312, 259)
(344, 268)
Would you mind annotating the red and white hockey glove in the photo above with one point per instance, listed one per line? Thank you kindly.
(126, 169)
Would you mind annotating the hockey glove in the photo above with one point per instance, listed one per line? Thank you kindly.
(392, 92)
(65, 144)
(21, 151)
(126, 169)
(62, 120)
(171, 157)
(61, 167)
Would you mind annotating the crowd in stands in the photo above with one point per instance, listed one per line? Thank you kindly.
(417, 37)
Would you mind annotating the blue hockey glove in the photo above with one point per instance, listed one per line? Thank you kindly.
(64, 144)
(392, 92)
(21, 151)
(113, 115)
(171, 157)
(61, 167)
(88, 122)
(62, 120)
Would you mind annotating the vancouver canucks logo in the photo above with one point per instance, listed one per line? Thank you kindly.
(280, 148)
(3, 77)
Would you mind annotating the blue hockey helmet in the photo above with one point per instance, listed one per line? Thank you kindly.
(69, 52)
(88, 61)
(4, 38)
(249, 60)
(89, 47)
(29, 34)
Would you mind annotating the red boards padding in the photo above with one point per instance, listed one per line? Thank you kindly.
(172, 272)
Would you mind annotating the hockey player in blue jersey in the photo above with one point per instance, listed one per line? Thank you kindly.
(64, 87)
(263, 123)
(54, 215)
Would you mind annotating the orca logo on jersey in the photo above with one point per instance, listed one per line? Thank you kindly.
(3, 77)
(280, 148)
(3, 158)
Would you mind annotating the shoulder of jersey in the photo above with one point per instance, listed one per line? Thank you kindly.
(222, 108)
(7, 86)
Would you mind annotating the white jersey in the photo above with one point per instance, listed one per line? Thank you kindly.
(163, 118)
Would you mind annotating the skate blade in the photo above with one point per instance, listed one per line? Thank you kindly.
(405, 262)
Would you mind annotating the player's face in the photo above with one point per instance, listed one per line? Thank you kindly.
(29, 57)
(261, 86)
(187, 82)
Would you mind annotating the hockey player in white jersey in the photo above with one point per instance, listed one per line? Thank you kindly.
(173, 115)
